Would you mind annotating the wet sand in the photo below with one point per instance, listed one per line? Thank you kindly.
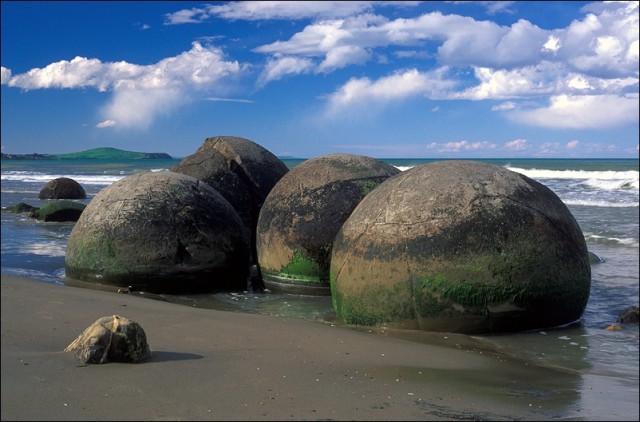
(218, 365)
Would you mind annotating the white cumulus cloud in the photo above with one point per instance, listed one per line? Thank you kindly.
(139, 93)
(582, 111)
(408, 83)
(5, 75)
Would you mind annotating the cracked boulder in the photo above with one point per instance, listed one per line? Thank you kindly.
(111, 339)
(161, 232)
(460, 246)
(241, 170)
(303, 213)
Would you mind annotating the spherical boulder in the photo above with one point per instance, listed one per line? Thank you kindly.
(62, 188)
(303, 213)
(460, 246)
(242, 171)
(161, 232)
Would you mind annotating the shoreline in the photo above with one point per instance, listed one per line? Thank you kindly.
(220, 365)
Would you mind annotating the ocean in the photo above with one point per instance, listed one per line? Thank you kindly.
(599, 364)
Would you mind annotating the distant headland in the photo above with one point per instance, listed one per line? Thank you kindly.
(92, 154)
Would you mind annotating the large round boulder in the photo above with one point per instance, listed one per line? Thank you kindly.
(303, 213)
(242, 171)
(162, 232)
(460, 246)
(62, 188)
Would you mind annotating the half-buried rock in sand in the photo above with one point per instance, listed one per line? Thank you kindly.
(460, 246)
(111, 339)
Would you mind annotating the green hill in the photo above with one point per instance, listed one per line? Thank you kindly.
(106, 153)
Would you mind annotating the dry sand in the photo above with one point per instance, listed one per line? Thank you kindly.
(216, 365)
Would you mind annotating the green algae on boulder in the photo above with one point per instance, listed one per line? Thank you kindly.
(59, 211)
(21, 207)
(161, 232)
(460, 246)
(302, 214)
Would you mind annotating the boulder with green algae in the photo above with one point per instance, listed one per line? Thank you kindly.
(460, 246)
(302, 214)
(20, 207)
(59, 211)
(160, 232)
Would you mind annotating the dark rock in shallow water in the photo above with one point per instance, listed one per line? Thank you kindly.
(460, 246)
(303, 213)
(59, 211)
(20, 207)
(62, 188)
(629, 315)
(111, 339)
(160, 232)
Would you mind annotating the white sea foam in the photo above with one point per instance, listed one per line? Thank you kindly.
(626, 241)
(36, 177)
(628, 176)
(600, 203)
(612, 184)
(44, 248)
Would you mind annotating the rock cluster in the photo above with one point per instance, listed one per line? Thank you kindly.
(459, 246)
(303, 213)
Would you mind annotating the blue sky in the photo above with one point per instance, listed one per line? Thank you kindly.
(384, 79)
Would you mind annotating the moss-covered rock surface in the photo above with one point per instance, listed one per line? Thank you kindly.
(304, 211)
(462, 247)
(161, 232)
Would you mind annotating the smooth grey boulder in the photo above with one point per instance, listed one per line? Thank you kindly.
(111, 339)
(303, 213)
(161, 232)
(62, 188)
(460, 246)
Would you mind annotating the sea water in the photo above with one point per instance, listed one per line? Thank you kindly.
(602, 195)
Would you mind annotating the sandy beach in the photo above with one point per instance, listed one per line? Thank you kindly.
(217, 365)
